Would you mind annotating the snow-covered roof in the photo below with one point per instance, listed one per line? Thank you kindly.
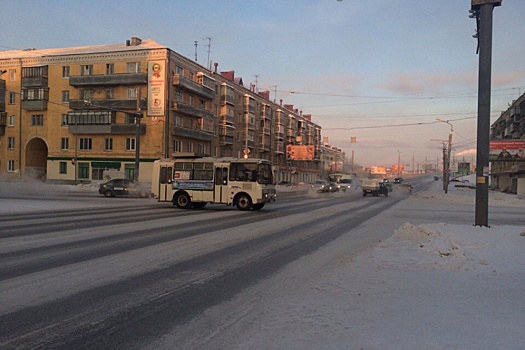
(79, 50)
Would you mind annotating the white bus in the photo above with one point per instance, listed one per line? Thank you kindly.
(192, 182)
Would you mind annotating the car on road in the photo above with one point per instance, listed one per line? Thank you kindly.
(320, 186)
(332, 187)
(121, 187)
(344, 184)
(398, 180)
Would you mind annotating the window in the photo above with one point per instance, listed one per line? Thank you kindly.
(190, 146)
(133, 67)
(179, 70)
(132, 94)
(108, 144)
(65, 96)
(178, 96)
(110, 94)
(62, 168)
(86, 94)
(10, 166)
(37, 119)
(85, 143)
(202, 104)
(178, 120)
(64, 144)
(63, 121)
(65, 72)
(10, 143)
(130, 118)
(202, 148)
(11, 120)
(12, 75)
(130, 144)
(129, 171)
(191, 100)
(177, 146)
(12, 98)
(86, 69)
(110, 68)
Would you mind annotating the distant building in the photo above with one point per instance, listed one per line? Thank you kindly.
(69, 114)
(507, 148)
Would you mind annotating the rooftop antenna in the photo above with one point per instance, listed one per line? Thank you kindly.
(195, 43)
(209, 38)
(256, 80)
(274, 92)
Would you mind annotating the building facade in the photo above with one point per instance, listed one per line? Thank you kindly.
(507, 148)
(73, 114)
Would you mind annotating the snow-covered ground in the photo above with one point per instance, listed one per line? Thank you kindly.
(438, 282)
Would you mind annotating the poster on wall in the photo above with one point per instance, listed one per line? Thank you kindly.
(507, 150)
(156, 88)
(300, 152)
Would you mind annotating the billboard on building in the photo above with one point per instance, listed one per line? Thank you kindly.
(156, 88)
(295, 152)
(507, 150)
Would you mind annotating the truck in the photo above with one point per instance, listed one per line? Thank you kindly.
(374, 187)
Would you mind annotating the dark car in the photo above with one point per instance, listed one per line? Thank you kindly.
(332, 187)
(320, 186)
(121, 187)
(398, 180)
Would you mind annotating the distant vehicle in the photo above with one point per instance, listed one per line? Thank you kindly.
(343, 181)
(332, 187)
(459, 180)
(374, 187)
(398, 180)
(436, 178)
(320, 186)
(385, 181)
(121, 187)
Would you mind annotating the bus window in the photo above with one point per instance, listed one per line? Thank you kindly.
(221, 176)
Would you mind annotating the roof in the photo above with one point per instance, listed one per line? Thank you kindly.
(79, 50)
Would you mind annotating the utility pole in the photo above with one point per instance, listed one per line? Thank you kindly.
(196, 44)
(482, 11)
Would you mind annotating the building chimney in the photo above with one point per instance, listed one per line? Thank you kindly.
(230, 75)
(135, 41)
(281, 102)
(128, 42)
(308, 117)
(288, 107)
(265, 94)
(215, 65)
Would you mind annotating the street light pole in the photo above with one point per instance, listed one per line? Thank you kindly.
(449, 151)
(445, 184)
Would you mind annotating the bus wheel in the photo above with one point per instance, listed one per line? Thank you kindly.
(258, 206)
(244, 202)
(183, 201)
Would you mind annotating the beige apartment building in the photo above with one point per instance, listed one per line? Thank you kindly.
(74, 114)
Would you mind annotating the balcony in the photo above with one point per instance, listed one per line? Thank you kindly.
(111, 129)
(109, 104)
(34, 105)
(191, 86)
(227, 99)
(279, 147)
(3, 122)
(192, 111)
(226, 135)
(108, 80)
(198, 134)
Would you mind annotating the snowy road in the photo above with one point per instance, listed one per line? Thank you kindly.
(123, 273)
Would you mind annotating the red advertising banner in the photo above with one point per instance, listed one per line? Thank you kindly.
(300, 152)
(507, 150)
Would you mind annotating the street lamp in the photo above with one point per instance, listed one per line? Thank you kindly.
(449, 148)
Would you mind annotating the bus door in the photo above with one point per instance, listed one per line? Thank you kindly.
(165, 180)
(221, 192)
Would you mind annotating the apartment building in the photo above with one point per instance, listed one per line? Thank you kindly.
(72, 114)
(507, 149)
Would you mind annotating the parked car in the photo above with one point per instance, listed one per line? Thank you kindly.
(121, 187)
(320, 186)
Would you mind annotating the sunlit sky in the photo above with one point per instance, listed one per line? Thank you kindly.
(353, 65)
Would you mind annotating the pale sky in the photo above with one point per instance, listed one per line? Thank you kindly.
(353, 65)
